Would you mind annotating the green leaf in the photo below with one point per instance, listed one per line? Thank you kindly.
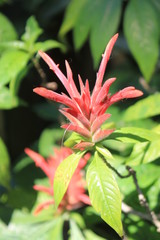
(48, 138)
(46, 45)
(71, 15)
(11, 64)
(73, 139)
(64, 174)
(101, 29)
(145, 108)
(141, 29)
(7, 101)
(75, 232)
(104, 193)
(32, 31)
(144, 153)
(7, 30)
(18, 45)
(134, 135)
(104, 151)
(4, 165)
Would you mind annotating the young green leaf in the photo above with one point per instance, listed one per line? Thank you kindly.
(104, 193)
(8, 31)
(7, 101)
(4, 165)
(46, 45)
(64, 174)
(33, 31)
(145, 108)
(141, 29)
(11, 64)
(104, 151)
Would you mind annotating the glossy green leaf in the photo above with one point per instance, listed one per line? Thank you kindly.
(141, 29)
(104, 193)
(133, 135)
(4, 165)
(71, 15)
(75, 232)
(7, 30)
(64, 174)
(11, 64)
(32, 31)
(145, 108)
(46, 45)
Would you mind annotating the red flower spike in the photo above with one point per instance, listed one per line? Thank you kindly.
(86, 111)
(75, 196)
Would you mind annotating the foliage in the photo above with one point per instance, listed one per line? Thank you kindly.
(28, 121)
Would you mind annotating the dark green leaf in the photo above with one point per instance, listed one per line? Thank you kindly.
(7, 30)
(104, 27)
(64, 174)
(145, 108)
(104, 193)
(71, 15)
(4, 165)
(47, 111)
(141, 29)
(11, 64)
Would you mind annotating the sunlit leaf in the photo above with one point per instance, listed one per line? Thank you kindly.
(104, 193)
(141, 29)
(7, 101)
(32, 31)
(46, 45)
(11, 64)
(104, 151)
(145, 108)
(7, 30)
(64, 174)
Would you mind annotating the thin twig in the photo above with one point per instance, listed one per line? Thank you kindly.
(143, 200)
(39, 70)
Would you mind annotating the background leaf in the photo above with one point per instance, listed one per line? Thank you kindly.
(104, 193)
(75, 232)
(4, 165)
(141, 30)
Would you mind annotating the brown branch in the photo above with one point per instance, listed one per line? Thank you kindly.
(39, 70)
(143, 200)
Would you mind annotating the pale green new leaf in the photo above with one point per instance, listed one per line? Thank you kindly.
(46, 45)
(104, 193)
(104, 151)
(64, 174)
(4, 165)
(11, 64)
(7, 30)
(75, 232)
(32, 31)
(92, 236)
(141, 29)
(145, 108)
(153, 152)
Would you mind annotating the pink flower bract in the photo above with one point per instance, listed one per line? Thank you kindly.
(85, 111)
(75, 196)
